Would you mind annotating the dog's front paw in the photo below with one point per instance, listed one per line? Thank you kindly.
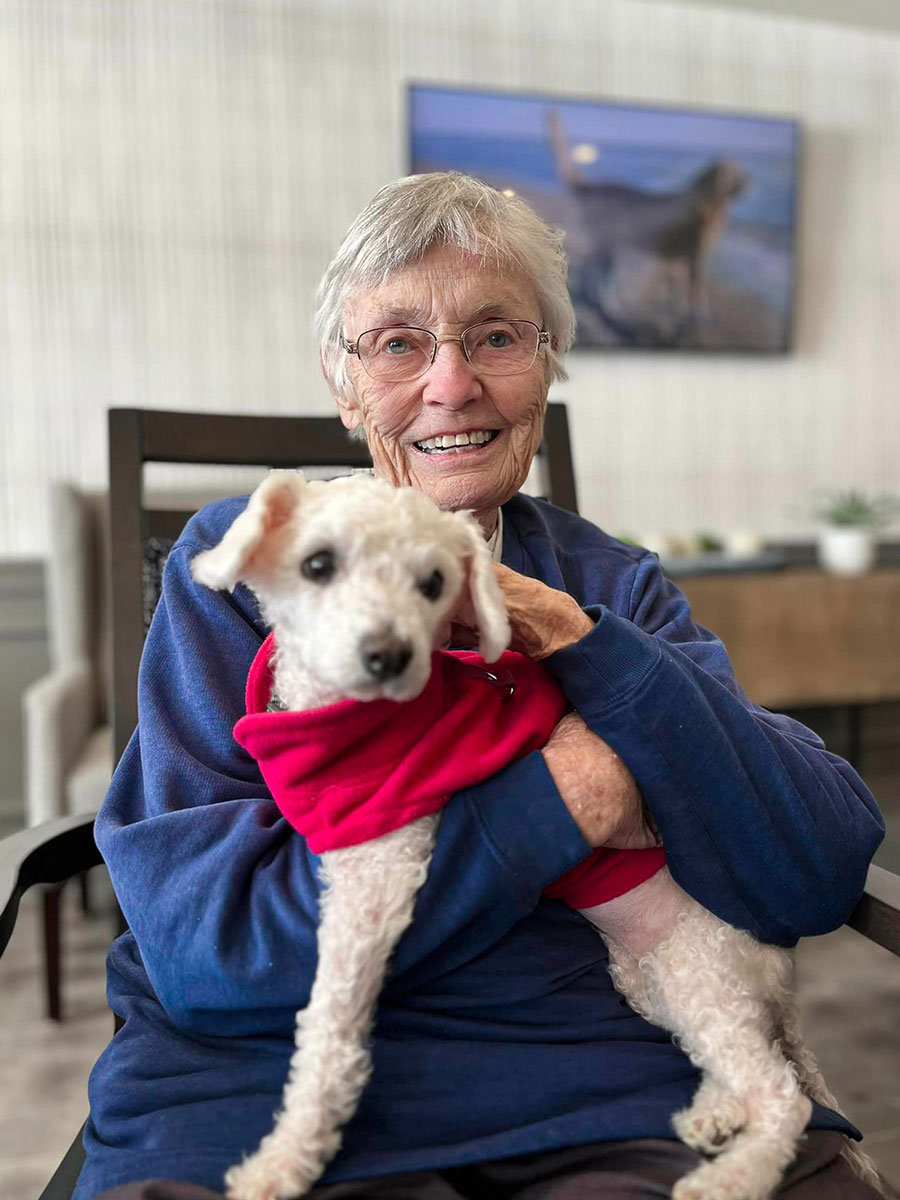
(264, 1177)
(711, 1121)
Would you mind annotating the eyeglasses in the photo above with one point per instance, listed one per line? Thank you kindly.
(402, 352)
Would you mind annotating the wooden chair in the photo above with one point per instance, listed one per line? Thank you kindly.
(140, 537)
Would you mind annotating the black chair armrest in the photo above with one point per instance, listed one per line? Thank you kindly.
(47, 853)
(62, 1185)
(877, 916)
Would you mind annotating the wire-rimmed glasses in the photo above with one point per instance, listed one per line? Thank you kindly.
(403, 352)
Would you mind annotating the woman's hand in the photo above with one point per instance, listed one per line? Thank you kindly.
(543, 620)
(597, 788)
(594, 783)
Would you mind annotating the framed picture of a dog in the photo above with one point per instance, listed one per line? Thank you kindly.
(680, 224)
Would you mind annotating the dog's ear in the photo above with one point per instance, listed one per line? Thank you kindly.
(256, 538)
(486, 593)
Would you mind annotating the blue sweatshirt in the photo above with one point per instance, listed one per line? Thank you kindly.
(498, 1032)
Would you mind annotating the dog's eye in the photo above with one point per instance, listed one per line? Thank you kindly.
(319, 567)
(431, 587)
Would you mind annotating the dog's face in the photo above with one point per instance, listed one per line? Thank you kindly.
(358, 580)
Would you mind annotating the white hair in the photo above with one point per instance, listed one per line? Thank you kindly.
(406, 218)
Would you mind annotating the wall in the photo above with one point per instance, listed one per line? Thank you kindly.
(175, 175)
(873, 14)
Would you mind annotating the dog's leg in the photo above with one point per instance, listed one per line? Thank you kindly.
(716, 1112)
(715, 989)
(366, 905)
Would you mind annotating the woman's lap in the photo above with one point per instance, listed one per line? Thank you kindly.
(643, 1169)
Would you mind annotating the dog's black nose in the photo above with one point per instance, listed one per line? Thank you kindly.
(386, 657)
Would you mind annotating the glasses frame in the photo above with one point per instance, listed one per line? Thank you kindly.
(544, 339)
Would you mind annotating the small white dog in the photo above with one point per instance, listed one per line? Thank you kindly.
(358, 581)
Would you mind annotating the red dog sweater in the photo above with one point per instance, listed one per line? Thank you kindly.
(355, 770)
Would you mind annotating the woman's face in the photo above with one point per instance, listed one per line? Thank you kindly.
(446, 292)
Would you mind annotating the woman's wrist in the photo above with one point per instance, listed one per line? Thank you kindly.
(573, 625)
(596, 787)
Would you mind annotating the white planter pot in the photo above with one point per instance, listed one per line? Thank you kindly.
(846, 550)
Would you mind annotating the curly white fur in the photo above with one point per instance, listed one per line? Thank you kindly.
(725, 998)
(727, 1001)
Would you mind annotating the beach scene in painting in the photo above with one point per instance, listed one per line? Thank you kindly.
(679, 224)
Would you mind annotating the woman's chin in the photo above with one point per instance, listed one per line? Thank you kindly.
(478, 480)
(454, 495)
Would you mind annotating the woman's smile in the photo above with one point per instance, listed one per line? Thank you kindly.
(454, 444)
(464, 437)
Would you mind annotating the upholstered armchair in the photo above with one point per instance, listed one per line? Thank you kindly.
(67, 735)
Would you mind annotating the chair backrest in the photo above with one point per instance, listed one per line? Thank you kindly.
(141, 534)
(555, 456)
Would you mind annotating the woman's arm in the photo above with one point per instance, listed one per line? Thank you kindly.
(761, 824)
(597, 787)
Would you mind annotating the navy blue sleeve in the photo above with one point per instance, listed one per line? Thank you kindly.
(761, 824)
(218, 890)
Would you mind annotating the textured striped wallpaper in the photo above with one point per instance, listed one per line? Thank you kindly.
(175, 173)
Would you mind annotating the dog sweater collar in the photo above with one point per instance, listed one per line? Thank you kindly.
(355, 770)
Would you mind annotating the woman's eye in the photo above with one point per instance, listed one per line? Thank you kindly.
(319, 567)
(432, 587)
(396, 346)
(498, 340)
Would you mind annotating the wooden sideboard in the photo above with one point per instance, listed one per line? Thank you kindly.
(802, 638)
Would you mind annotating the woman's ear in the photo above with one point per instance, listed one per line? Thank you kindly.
(349, 412)
(256, 538)
(345, 400)
(486, 594)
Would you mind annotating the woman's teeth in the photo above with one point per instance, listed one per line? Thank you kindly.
(456, 441)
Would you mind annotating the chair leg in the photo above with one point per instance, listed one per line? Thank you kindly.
(52, 951)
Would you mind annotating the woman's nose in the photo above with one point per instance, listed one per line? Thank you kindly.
(451, 379)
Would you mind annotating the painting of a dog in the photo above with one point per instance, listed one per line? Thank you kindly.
(679, 224)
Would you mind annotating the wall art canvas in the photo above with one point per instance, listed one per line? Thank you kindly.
(680, 224)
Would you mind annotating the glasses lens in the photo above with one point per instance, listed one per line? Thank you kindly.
(399, 353)
(502, 347)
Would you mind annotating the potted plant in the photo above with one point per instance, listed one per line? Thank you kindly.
(850, 521)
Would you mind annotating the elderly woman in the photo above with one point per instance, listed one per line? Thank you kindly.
(505, 1064)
